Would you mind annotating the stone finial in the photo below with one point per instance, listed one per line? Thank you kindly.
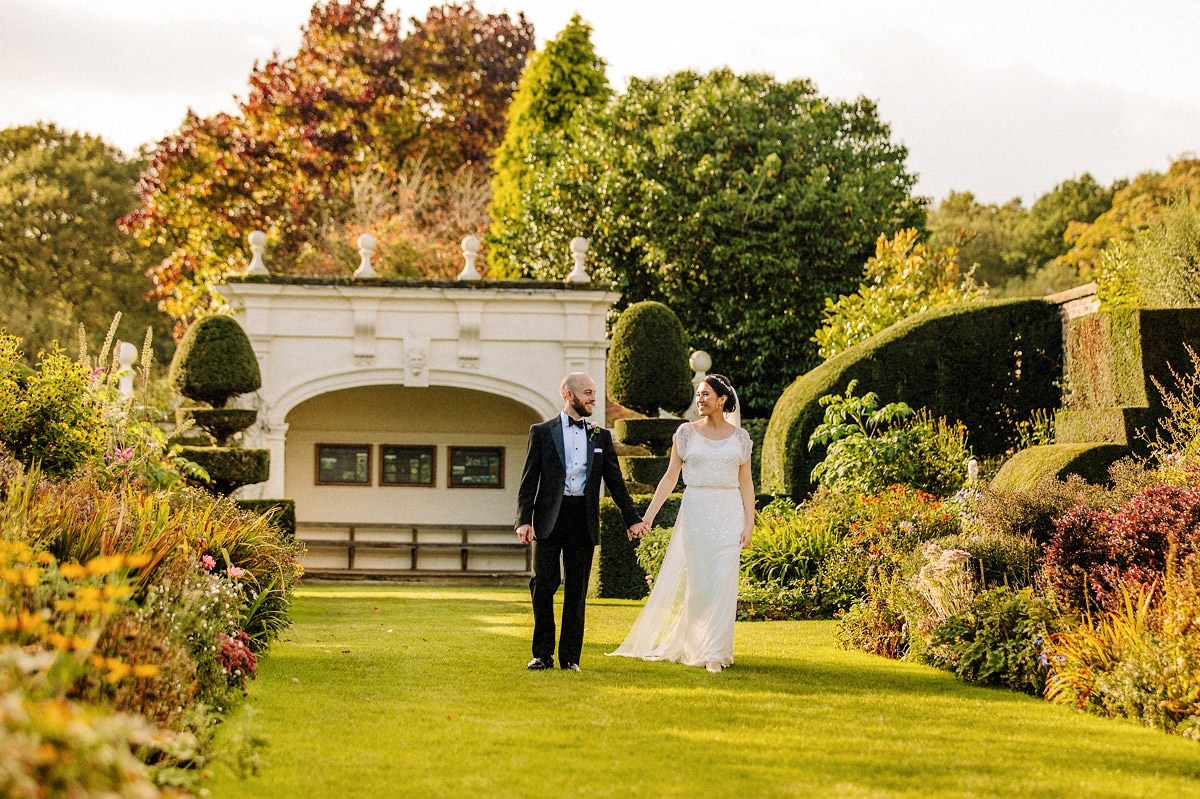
(579, 248)
(973, 472)
(470, 251)
(127, 356)
(701, 362)
(258, 243)
(366, 250)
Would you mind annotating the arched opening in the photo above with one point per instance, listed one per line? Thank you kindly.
(398, 478)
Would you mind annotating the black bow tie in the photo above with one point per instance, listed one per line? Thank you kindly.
(582, 425)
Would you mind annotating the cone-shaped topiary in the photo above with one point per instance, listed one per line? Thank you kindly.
(214, 362)
(648, 361)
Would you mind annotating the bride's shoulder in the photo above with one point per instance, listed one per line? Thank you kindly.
(684, 430)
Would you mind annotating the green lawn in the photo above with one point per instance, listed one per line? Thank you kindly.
(415, 691)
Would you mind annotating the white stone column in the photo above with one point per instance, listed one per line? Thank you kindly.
(276, 440)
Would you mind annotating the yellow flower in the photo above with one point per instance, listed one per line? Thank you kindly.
(89, 592)
(145, 670)
(80, 644)
(59, 641)
(10, 576)
(8, 623)
(64, 605)
(117, 670)
(72, 571)
(116, 591)
(136, 561)
(103, 564)
(44, 558)
(30, 577)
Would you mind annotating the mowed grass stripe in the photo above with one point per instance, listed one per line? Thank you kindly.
(414, 691)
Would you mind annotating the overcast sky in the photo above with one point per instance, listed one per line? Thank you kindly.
(1004, 99)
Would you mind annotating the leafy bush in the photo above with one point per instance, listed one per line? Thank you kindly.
(902, 278)
(771, 601)
(987, 364)
(1076, 554)
(51, 416)
(869, 448)
(997, 640)
(788, 545)
(1159, 268)
(214, 361)
(1033, 511)
(874, 623)
(1140, 659)
(220, 423)
(648, 360)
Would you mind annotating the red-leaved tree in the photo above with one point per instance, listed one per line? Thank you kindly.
(373, 125)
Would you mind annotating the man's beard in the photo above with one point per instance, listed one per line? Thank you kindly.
(580, 408)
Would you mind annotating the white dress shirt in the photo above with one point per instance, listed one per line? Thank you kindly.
(575, 445)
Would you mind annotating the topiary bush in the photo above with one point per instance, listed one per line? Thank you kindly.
(653, 434)
(1030, 467)
(989, 365)
(648, 360)
(228, 468)
(220, 423)
(214, 362)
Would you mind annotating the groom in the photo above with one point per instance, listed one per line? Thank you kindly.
(558, 508)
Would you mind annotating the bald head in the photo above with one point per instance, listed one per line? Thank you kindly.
(578, 391)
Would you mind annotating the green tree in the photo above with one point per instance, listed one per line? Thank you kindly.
(982, 233)
(903, 278)
(1159, 268)
(558, 81)
(1135, 207)
(738, 201)
(1038, 237)
(63, 260)
(327, 137)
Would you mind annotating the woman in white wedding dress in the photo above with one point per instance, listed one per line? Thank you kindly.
(691, 610)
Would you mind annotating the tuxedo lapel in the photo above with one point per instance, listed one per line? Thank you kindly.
(556, 435)
(588, 434)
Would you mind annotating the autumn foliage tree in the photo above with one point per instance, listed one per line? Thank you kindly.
(370, 119)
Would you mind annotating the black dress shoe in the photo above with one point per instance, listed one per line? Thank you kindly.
(537, 664)
(571, 667)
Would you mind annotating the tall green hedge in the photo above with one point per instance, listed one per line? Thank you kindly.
(988, 365)
(214, 361)
(1029, 467)
(615, 571)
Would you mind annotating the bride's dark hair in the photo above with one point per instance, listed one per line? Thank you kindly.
(723, 388)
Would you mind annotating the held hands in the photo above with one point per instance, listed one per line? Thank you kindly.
(525, 533)
(638, 530)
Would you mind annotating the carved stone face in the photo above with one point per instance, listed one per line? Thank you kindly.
(416, 361)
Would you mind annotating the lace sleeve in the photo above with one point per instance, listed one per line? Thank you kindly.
(747, 444)
(681, 440)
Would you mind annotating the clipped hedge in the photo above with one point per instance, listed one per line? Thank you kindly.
(214, 361)
(229, 468)
(648, 360)
(615, 571)
(1025, 470)
(284, 516)
(644, 469)
(653, 434)
(220, 423)
(1114, 358)
(988, 365)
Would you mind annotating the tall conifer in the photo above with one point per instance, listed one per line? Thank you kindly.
(560, 79)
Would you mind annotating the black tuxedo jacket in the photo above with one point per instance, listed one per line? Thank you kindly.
(545, 473)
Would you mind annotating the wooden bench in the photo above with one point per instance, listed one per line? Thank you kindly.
(413, 543)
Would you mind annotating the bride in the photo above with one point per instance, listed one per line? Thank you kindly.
(690, 613)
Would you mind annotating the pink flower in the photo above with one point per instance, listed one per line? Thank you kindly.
(236, 571)
(208, 562)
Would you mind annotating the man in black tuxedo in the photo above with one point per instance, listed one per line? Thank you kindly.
(559, 512)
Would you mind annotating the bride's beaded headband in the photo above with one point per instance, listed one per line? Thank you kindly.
(720, 382)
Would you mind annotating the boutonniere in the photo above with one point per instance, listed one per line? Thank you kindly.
(590, 429)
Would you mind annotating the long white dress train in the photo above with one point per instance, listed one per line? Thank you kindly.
(689, 615)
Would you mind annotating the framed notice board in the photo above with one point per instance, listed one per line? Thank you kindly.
(476, 467)
(344, 464)
(406, 465)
